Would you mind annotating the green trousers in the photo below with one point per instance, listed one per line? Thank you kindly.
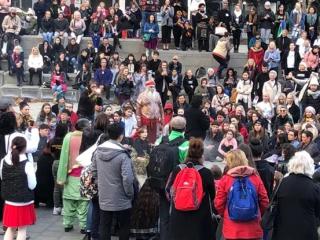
(73, 204)
(73, 209)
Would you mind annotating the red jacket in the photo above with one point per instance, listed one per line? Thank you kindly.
(257, 55)
(240, 230)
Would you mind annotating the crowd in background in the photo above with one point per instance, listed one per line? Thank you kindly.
(261, 122)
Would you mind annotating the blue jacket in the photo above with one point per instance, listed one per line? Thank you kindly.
(272, 58)
(293, 19)
(103, 77)
(151, 26)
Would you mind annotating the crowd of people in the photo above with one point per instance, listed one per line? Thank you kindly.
(118, 164)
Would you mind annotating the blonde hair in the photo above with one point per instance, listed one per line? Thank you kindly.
(236, 158)
(301, 163)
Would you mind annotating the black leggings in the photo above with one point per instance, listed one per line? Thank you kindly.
(236, 38)
(177, 32)
(33, 71)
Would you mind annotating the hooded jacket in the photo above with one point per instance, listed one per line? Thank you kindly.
(113, 171)
(240, 230)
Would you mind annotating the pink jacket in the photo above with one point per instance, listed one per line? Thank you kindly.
(60, 79)
(311, 60)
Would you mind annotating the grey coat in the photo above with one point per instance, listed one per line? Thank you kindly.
(113, 169)
(167, 16)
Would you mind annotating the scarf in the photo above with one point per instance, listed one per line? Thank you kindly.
(16, 58)
(237, 13)
(314, 95)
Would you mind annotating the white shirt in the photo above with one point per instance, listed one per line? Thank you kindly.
(290, 59)
(35, 62)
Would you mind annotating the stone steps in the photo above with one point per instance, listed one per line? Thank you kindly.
(35, 92)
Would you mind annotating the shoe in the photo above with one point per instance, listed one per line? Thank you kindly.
(68, 229)
(83, 231)
(56, 211)
(62, 212)
(87, 236)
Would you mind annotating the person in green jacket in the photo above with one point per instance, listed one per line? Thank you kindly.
(68, 175)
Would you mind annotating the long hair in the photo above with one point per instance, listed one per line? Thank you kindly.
(195, 151)
(18, 145)
(43, 115)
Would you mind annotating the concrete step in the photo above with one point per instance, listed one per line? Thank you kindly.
(35, 92)
(7, 79)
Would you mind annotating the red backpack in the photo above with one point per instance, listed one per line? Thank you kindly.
(187, 189)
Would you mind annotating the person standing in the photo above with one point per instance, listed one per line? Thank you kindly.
(149, 110)
(167, 13)
(113, 171)
(267, 18)
(150, 36)
(68, 175)
(201, 19)
(224, 15)
(298, 199)
(103, 77)
(237, 24)
(18, 182)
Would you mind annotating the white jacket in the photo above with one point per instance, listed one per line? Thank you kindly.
(272, 89)
(244, 89)
(35, 62)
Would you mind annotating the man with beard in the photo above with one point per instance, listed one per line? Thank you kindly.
(150, 110)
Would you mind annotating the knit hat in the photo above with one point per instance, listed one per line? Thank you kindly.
(150, 83)
(178, 123)
(256, 146)
(314, 79)
(310, 109)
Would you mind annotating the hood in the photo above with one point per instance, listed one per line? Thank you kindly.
(110, 150)
(168, 106)
(241, 171)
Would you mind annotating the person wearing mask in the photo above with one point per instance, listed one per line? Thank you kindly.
(197, 121)
(237, 166)
(167, 13)
(304, 209)
(18, 182)
(197, 224)
(237, 24)
(112, 163)
(267, 19)
(103, 77)
(68, 175)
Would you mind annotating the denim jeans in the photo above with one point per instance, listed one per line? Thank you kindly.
(95, 40)
(145, 16)
(164, 215)
(93, 218)
(47, 36)
(265, 35)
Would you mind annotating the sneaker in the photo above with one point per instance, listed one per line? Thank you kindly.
(68, 229)
(62, 212)
(56, 211)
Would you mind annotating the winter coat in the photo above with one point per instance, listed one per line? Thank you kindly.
(244, 89)
(190, 85)
(283, 43)
(297, 59)
(257, 55)
(273, 89)
(258, 84)
(73, 50)
(272, 58)
(167, 16)
(222, 48)
(60, 79)
(197, 123)
(311, 60)
(240, 230)
(267, 23)
(113, 171)
(47, 25)
(311, 99)
(195, 225)
(266, 173)
(298, 209)
(294, 21)
(61, 25)
(280, 121)
(148, 27)
(294, 110)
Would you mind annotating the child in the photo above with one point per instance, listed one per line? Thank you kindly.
(202, 90)
(18, 182)
(228, 143)
(130, 123)
(217, 175)
(187, 32)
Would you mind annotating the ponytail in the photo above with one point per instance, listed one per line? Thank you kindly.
(15, 157)
(18, 146)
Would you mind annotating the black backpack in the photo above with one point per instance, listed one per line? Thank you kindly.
(163, 159)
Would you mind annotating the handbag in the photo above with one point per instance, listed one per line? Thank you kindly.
(146, 37)
(267, 221)
(85, 158)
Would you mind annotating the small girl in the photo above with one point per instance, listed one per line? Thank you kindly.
(18, 181)
(228, 143)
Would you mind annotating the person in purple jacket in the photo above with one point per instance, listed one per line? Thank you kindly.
(103, 77)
